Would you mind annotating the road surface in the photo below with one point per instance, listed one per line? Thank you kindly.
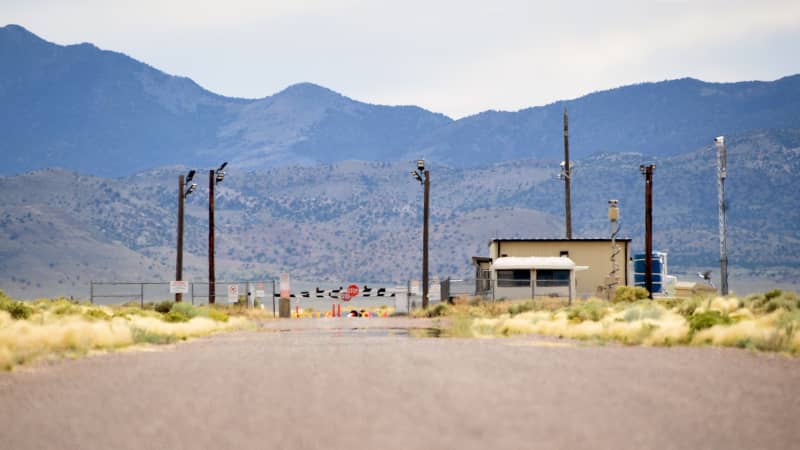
(334, 384)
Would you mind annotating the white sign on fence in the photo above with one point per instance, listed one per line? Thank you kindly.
(178, 287)
(233, 293)
(286, 287)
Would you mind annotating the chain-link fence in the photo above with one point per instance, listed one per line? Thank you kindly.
(320, 295)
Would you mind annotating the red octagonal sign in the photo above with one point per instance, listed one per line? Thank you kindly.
(352, 290)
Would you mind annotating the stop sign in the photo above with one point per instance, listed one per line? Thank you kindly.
(352, 290)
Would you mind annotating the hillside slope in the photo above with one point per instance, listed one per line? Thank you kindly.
(361, 221)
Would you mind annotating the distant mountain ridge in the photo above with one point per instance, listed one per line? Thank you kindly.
(361, 221)
(104, 113)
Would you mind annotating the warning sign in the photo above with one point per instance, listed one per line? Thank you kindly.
(178, 287)
(233, 293)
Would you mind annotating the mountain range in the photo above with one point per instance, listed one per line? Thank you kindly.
(103, 113)
(318, 183)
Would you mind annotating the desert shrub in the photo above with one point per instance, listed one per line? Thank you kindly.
(17, 309)
(593, 310)
(142, 336)
(707, 319)
(216, 314)
(185, 309)
(96, 314)
(630, 294)
(772, 301)
(63, 307)
(518, 308)
(643, 310)
(441, 309)
(176, 316)
(164, 307)
(686, 307)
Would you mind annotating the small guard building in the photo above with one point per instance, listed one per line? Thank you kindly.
(524, 268)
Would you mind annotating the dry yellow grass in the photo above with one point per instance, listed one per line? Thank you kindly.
(47, 334)
(770, 322)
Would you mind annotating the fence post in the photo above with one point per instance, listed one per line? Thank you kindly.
(91, 292)
(273, 298)
(141, 295)
(192, 293)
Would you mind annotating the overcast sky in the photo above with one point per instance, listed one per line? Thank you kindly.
(456, 57)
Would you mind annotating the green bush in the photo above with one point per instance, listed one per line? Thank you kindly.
(643, 310)
(772, 301)
(164, 307)
(96, 314)
(707, 319)
(441, 309)
(519, 308)
(175, 316)
(186, 309)
(593, 310)
(630, 294)
(219, 316)
(17, 309)
(141, 336)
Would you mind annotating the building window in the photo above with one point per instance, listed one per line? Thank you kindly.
(552, 278)
(564, 253)
(514, 278)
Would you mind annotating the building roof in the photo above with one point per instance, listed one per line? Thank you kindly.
(533, 262)
(477, 259)
(582, 239)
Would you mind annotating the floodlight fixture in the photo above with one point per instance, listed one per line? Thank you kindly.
(719, 140)
(190, 175)
(417, 176)
(222, 167)
(192, 188)
(421, 164)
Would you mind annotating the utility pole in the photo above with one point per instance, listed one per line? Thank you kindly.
(214, 177)
(424, 177)
(426, 219)
(722, 173)
(211, 276)
(613, 217)
(648, 227)
(567, 173)
(179, 254)
(179, 257)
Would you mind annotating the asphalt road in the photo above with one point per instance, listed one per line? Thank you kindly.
(322, 384)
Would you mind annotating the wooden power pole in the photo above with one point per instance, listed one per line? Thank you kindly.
(211, 276)
(426, 219)
(648, 227)
(179, 257)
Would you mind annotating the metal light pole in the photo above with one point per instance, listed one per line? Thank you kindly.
(566, 172)
(722, 173)
(424, 177)
(181, 196)
(613, 217)
(214, 177)
(648, 227)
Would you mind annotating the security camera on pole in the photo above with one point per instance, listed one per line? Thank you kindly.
(214, 177)
(424, 177)
(722, 174)
(179, 258)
